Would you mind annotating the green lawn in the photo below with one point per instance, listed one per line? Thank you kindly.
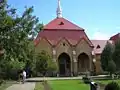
(39, 86)
(68, 85)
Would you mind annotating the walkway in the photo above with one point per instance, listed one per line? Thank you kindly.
(30, 82)
(61, 78)
(25, 86)
(51, 78)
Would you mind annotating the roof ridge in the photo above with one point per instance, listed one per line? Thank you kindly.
(54, 24)
(73, 23)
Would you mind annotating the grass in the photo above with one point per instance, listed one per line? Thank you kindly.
(5, 85)
(39, 86)
(68, 85)
(107, 81)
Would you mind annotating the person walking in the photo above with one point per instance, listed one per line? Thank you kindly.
(24, 76)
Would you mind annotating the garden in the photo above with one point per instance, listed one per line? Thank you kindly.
(72, 85)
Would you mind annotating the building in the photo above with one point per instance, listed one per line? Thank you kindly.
(98, 48)
(69, 46)
(115, 37)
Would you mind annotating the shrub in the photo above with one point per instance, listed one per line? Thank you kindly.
(1, 81)
(86, 80)
(112, 86)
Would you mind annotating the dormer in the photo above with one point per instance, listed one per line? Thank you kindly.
(98, 46)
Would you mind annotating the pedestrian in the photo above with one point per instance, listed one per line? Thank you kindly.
(24, 76)
(20, 76)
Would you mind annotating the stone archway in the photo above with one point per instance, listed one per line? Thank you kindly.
(64, 64)
(83, 62)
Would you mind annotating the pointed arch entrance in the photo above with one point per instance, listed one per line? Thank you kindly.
(64, 63)
(83, 62)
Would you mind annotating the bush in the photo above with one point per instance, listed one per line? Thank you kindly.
(111, 67)
(1, 81)
(86, 80)
(112, 86)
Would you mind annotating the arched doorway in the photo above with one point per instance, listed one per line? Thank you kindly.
(83, 62)
(64, 64)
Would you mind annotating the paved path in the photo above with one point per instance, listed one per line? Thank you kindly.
(31, 85)
(60, 78)
(52, 78)
(25, 86)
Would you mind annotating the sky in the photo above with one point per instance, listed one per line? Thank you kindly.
(99, 18)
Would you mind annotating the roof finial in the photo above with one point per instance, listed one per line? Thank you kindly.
(59, 10)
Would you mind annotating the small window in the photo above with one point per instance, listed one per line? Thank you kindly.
(63, 44)
(61, 23)
(98, 46)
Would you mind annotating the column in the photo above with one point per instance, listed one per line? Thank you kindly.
(54, 55)
(94, 61)
(90, 62)
(75, 67)
(55, 61)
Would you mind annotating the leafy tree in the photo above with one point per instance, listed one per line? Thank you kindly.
(14, 36)
(116, 54)
(106, 56)
(112, 86)
(41, 63)
(44, 63)
(52, 66)
(111, 67)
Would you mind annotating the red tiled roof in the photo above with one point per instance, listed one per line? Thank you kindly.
(54, 32)
(101, 43)
(115, 37)
(54, 36)
(61, 23)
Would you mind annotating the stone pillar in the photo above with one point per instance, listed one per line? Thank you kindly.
(75, 66)
(55, 61)
(90, 62)
(71, 68)
(54, 55)
(74, 62)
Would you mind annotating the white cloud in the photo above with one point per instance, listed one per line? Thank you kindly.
(100, 36)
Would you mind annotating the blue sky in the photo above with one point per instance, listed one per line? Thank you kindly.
(99, 18)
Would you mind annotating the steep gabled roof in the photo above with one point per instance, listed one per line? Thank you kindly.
(53, 36)
(101, 43)
(61, 24)
(60, 28)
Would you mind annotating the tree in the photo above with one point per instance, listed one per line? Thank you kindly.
(14, 32)
(111, 67)
(116, 54)
(44, 63)
(106, 56)
(41, 63)
(112, 86)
